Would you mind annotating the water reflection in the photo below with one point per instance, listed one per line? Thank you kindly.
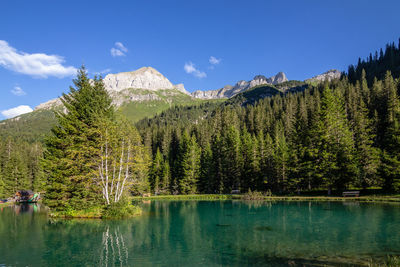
(27, 208)
(205, 233)
(114, 250)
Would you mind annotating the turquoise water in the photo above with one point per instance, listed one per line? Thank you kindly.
(205, 233)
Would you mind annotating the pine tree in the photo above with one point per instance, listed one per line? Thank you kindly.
(156, 172)
(251, 163)
(206, 182)
(189, 161)
(282, 156)
(70, 149)
(390, 168)
(231, 159)
(335, 161)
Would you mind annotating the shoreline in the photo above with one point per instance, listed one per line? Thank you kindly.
(370, 199)
(6, 204)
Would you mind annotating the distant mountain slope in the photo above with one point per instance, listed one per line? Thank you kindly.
(29, 127)
(229, 91)
(326, 76)
(137, 94)
(262, 91)
(157, 94)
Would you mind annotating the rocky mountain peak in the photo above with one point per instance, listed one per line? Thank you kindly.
(119, 86)
(240, 86)
(328, 75)
(280, 77)
(146, 78)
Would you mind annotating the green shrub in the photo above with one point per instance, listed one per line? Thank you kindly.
(121, 209)
(389, 261)
(253, 195)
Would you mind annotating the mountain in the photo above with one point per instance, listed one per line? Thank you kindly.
(140, 85)
(145, 93)
(326, 76)
(146, 78)
(229, 91)
(136, 94)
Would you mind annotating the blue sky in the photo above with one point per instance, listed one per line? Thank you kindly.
(42, 42)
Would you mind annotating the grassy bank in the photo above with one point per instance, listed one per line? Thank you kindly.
(6, 204)
(370, 198)
(189, 197)
(114, 211)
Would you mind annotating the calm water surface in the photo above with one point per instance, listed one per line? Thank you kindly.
(205, 233)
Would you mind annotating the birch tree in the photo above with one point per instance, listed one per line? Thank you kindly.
(122, 163)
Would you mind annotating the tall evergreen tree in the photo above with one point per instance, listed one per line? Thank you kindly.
(334, 160)
(189, 162)
(68, 160)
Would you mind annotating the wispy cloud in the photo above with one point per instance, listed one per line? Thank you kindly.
(36, 65)
(18, 91)
(119, 50)
(214, 61)
(191, 69)
(13, 112)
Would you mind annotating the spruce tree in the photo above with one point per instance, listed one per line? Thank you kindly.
(335, 156)
(390, 168)
(189, 164)
(68, 159)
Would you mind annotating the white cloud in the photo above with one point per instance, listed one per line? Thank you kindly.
(116, 52)
(191, 69)
(121, 47)
(13, 112)
(119, 51)
(37, 65)
(214, 60)
(18, 91)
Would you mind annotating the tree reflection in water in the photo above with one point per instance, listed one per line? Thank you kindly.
(113, 248)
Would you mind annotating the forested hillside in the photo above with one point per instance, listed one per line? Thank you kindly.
(287, 138)
(333, 136)
(377, 64)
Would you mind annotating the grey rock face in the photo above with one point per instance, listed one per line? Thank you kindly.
(49, 104)
(241, 86)
(279, 78)
(329, 76)
(146, 78)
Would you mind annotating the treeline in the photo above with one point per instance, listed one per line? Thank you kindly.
(337, 135)
(376, 66)
(333, 136)
(20, 166)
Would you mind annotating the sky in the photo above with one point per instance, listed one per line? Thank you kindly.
(202, 44)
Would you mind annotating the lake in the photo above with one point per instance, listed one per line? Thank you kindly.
(205, 233)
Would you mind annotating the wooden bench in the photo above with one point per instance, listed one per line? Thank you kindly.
(351, 194)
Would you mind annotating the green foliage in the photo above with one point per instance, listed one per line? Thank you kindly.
(188, 164)
(327, 137)
(286, 138)
(376, 66)
(68, 159)
(334, 142)
(92, 157)
(121, 209)
(20, 167)
(253, 195)
(389, 261)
